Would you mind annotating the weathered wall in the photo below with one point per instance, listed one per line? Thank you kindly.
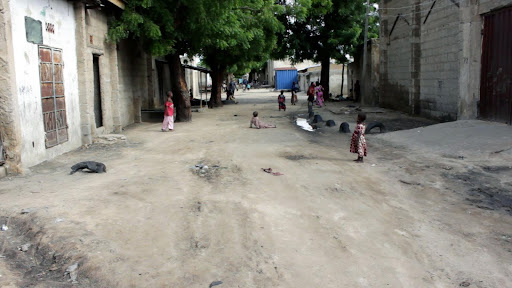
(395, 73)
(471, 24)
(372, 95)
(133, 80)
(313, 75)
(431, 65)
(28, 90)
(10, 129)
(440, 41)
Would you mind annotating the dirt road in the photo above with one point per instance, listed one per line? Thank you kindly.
(155, 220)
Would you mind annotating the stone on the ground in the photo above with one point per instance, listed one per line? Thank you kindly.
(27, 210)
(73, 273)
(317, 119)
(24, 247)
(344, 128)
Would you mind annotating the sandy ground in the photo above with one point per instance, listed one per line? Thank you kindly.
(407, 217)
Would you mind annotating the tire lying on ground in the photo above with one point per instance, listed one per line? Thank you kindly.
(344, 128)
(330, 123)
(372, 125)
(317, 119)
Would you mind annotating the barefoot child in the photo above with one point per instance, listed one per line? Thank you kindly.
(280, 101)
(294, 97)
(257, 123)
(168, 124)
(358, 143)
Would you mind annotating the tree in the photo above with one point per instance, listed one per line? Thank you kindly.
(168, 28)
(243, 42)
(321, 30)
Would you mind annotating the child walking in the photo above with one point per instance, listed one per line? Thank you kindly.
(280, 100)
(168, 124)
(358, 142)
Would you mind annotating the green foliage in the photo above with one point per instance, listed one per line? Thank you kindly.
(237, 34)
(322, 29)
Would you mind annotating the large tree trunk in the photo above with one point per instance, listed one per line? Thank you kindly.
(324, 76)
(217, 78)
(181, 97)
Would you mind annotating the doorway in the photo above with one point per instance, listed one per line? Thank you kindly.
(496, 77)
(98, 114)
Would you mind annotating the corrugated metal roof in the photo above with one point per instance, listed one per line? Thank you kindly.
(285, 68)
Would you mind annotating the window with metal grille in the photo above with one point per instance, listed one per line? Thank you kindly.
(52, 96)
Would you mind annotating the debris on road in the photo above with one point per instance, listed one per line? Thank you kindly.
(269, 170)
(303, 123)
(4, 227)
(372, 125)
(92, 166)
(72, 272)
(27, 210)
(409, 183)
(215, 283)
(24, 247)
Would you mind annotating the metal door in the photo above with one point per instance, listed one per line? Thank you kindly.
(496, 78)
(53, 98)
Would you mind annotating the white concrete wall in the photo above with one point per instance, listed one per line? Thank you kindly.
(26, 61)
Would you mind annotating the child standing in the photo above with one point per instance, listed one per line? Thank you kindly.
(168, 124)
(358, 142)
(294, 97)
(280, 100)
(319, 94)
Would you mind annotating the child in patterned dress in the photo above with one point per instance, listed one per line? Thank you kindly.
(358, 142)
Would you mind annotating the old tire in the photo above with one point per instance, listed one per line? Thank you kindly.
(372, 125)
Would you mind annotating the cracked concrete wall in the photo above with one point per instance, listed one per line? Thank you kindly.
(9, 117)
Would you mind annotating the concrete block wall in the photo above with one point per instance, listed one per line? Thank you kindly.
(438, 62)
(441, 45)
(395, 68)
(372, 86)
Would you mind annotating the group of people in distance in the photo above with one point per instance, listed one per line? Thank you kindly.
(357, 144)
(316, 89)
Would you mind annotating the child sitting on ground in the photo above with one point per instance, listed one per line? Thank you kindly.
(257, 123)
(358, 142)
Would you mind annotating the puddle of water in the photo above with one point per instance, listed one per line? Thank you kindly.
(303, 123)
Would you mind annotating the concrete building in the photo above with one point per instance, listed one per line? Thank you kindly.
(447, 59)
(312, 74)
(370, 86)
(62, 83)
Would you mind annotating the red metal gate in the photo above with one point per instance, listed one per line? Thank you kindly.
(496, 78)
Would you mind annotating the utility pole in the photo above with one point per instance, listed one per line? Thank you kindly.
(365, 56)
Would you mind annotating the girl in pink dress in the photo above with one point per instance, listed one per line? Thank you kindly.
(168, 124)
(319, 94)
